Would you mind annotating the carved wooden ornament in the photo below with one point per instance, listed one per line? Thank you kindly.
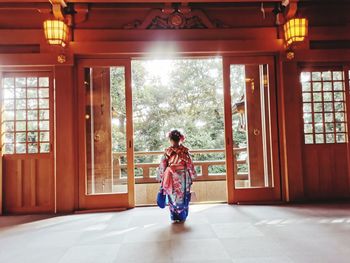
(170, 18)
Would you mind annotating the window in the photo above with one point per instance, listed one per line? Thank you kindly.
(25, 114)
(323, 95)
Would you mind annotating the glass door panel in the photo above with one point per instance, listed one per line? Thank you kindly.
(105, 124)
(251, 125)
(106, 130)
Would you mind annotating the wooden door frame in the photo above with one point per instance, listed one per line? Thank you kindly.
(104, 201)
(346, 69)
(251, 194)
(1, 159)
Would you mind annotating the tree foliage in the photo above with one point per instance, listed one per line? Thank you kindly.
(188, 98)
(184, 94)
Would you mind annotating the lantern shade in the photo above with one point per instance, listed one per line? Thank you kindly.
(295, 30)
(56, 32)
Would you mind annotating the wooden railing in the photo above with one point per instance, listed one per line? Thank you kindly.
(204, 165)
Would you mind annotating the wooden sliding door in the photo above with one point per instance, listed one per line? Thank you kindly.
(252, 157)
(324, 98)
(106, 166)
(27, 110)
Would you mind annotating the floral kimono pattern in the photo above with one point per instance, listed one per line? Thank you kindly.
(176, 172)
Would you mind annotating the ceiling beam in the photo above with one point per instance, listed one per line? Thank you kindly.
(146, 1)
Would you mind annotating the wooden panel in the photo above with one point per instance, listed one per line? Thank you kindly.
(1, 186)
(36, 36)
(13, 196)
(329, 33)
(230, 165)
(325, 171)
(1, 159)
(254, 125)
(325, 56)
(15, 36)
(341, 181)
(347, 99)
(266, 33)
(129, 135)
(18, 49)
(311, 181)
(99, 166)
(281, 127)
(104, 201)
(139, 1)
(44, 193)
(161, 48)
(290, 121)
(20, 60)
(66, 144)
(28, 184)
(256, 195)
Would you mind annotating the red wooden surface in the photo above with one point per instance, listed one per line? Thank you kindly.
(102, 36)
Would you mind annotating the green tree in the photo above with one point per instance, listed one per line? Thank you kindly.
(187, 94)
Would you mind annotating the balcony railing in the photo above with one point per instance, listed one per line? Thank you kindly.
(204, 175)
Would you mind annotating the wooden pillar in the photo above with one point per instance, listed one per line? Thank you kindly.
(1, 192)
(290, 131)
(66, 161)
(1, 159)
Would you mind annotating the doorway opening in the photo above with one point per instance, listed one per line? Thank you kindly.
(225, 107)
(184, 94)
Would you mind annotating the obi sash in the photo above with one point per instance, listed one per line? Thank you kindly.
(167, 182)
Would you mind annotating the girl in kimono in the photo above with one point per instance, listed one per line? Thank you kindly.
(176, 172)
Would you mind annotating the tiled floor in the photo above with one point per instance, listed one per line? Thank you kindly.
(213, 233)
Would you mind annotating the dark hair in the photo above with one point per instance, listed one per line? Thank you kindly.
(175, 135)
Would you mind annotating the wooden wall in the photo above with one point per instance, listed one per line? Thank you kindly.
(290, 138)
(102, 35)
(66, 142)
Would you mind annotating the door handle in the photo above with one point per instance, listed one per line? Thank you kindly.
(256, 132)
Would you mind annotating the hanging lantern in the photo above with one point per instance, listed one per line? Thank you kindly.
(295, 30)
(56, 32)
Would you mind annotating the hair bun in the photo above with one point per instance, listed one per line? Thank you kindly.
(176, 136)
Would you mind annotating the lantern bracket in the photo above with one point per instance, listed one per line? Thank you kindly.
(57, 6)
(291, 10)
(284, 10)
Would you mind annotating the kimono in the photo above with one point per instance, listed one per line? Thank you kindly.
(176, 173)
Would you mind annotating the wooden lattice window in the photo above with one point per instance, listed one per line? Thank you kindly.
(324, 114)
(25, 114)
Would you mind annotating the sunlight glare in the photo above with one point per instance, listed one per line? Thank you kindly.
(214, 73)
(219, 91)
(200, 123)
(115, 122)
(305, 77)
(159, 68)
(164, 105)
